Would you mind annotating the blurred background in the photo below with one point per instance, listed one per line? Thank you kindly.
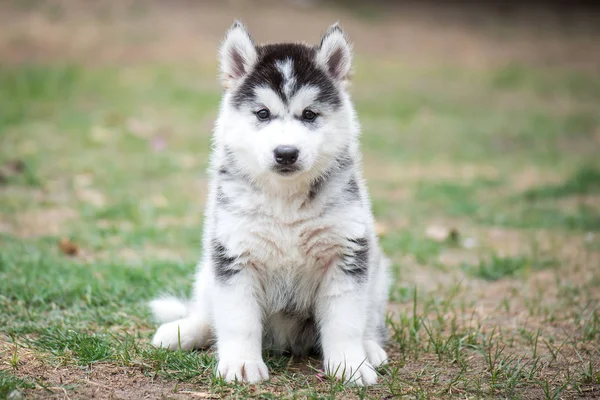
(481, 140)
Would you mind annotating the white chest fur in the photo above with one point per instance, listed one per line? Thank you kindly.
(290, 244)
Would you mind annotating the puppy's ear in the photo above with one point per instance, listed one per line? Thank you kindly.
(335, 53)
(237, 55)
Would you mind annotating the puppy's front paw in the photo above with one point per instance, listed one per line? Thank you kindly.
(250, 371)
(355, 371)
(375, 354)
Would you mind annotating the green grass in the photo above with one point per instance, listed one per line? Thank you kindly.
(586, 180)
(546, 84)
(497, 267)
(10, 383)
(455, 145)
(83, 348)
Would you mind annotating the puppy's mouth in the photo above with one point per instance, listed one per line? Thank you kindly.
(286, 170)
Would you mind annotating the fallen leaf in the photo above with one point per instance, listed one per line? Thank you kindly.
(68, 247)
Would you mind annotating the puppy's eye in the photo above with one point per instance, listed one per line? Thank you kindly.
(309, 115)
(263, 114)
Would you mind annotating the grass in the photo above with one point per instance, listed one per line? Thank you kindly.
(10, 383)
(113, 160)
(497, 267)
(585, 181)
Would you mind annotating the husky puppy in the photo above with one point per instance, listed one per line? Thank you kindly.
(291, 261)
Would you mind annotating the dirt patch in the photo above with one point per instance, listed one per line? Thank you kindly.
(99, 381)
(531, 320)
(37, 223)
(532, 177)
(105, 381)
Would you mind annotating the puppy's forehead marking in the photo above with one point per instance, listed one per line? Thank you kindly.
(286, 68)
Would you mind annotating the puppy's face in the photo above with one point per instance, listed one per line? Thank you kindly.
(286, 112)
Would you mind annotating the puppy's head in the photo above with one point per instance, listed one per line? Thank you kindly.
(286, 111)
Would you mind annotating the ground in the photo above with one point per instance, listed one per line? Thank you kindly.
(481, 135)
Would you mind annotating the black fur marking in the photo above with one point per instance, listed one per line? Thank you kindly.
(341, 163)
(222, 198)
(222, 263)
(344, 162)
(316, 186)
(223, 171)
(231, 172)
(352, 189)
(356, 260)
(305, 72)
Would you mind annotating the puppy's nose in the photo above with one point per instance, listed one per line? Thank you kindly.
(286, 155)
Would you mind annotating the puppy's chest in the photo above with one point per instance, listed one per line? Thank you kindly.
(290, 262)
(308, 245)
(286, 238)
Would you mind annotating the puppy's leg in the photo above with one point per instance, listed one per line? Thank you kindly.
(188, 333)
(341, 314)
(376, 334)
(238, 328)
(375, 353)
(191, 331)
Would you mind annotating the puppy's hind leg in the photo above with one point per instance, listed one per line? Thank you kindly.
(186, 325)
(185, 334)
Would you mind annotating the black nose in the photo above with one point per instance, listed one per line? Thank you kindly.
(286, 155)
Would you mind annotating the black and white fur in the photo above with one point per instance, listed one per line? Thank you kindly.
(291, 260)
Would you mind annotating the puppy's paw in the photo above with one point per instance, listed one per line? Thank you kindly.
(250, 371)
(375, 354)
(358, 372)
(175, 335)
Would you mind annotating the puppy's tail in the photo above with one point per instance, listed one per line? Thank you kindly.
(167, 309)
